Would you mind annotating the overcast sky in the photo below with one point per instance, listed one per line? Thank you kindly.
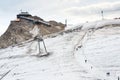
(75, 11)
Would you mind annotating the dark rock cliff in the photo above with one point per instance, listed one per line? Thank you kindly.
(19, 31)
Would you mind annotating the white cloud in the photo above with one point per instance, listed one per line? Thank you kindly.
(59, 10)
(93, 9)
(70, 1)
(92, 12)
(47, 9)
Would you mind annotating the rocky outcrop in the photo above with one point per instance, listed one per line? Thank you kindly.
(19, 31)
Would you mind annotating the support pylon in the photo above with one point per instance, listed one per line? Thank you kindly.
(39, 39)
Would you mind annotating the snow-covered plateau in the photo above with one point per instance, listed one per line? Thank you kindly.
(89, 53)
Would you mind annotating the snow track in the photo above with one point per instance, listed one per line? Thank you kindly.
(82, 59)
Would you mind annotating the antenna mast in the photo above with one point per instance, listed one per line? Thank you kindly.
(21, 10)
(102, 15)
(65, 22)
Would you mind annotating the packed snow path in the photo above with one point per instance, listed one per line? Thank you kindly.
(82, 59)
(102, 50)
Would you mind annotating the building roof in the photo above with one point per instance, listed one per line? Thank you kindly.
(26, 14)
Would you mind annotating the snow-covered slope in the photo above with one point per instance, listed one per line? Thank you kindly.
(78, 55)
(102, 49)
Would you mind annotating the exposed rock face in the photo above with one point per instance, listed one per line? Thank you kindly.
(55, 27)
(19, 31)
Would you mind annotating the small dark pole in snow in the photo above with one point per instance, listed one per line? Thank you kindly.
(108, 73)
(80, 46)
(118, 78)
(85, 61)
(91, 67)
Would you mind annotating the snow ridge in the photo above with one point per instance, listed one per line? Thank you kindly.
(76, 54)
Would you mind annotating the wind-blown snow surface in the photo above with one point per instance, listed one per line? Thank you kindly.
(68, 52)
